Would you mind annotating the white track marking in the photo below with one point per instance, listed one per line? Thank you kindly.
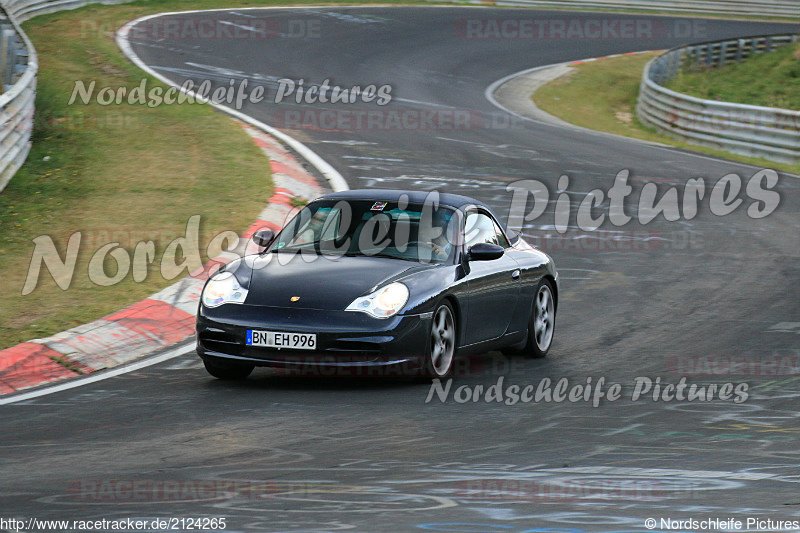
(246, 28)
(489, 95)
(431, 104)
(98, 376)
(335, 179)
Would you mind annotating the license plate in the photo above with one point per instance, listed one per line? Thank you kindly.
(280, 339)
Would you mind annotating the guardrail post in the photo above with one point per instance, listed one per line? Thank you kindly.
(6, 66)
(658, 70)
(20, 56)
(675, 65)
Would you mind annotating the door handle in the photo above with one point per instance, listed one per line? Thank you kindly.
(515, 274)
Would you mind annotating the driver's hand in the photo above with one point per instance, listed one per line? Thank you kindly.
(437, 249)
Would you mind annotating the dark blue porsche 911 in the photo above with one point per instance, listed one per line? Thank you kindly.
(379, 280)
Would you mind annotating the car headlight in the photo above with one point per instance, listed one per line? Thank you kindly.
(223, 288)
(383, 303)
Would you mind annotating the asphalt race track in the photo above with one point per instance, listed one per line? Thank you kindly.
(712, 299)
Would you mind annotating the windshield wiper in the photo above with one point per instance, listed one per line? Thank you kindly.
(294, 249)
(378, 254)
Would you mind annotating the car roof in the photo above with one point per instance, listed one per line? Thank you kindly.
(415, 197)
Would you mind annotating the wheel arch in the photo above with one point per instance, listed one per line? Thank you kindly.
(458, 312)
(554, 286)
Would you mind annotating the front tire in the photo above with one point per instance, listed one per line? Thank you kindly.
(542, 322)
(442, 343)
(228, 371)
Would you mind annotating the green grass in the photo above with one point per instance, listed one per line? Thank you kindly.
(746, 82)
(576, 99)
(298, 201)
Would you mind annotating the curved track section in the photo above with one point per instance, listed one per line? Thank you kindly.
(668, 299)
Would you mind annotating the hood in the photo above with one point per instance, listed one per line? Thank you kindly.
(324, 283)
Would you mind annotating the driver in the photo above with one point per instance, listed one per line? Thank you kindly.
(441, 244)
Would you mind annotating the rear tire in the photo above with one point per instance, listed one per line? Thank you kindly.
(228, 371)
(542, 322)
(442, 343)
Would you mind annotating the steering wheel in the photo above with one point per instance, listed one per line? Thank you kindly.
(426, 250)
(420, 244)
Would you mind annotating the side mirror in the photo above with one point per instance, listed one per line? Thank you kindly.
(483, 251)
(264, 237)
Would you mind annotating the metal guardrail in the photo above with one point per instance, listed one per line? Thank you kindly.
(13, 56)
(18, 70)
(764, 8)
(23, 10)
(750, 130)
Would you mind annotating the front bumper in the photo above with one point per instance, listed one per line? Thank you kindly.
(347, 342)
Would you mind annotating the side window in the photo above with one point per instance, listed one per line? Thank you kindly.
(480, 227)
(501, 237)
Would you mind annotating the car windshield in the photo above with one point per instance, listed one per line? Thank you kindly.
(413, 232)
